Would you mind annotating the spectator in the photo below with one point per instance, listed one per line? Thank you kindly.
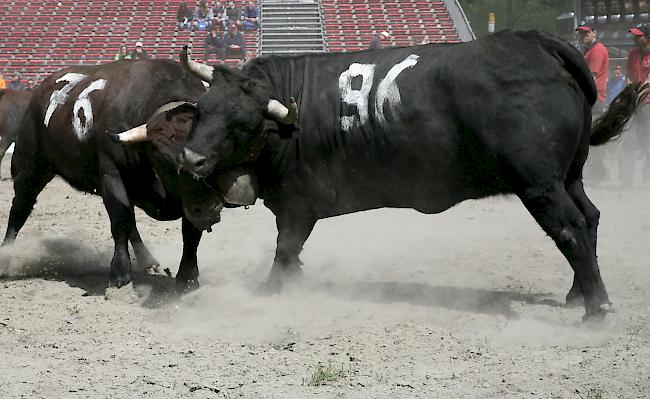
(183, 16)
(139, 53)
(122, 54)
(234, 42)
(234, 14)
(16, 83)
(203, 16)
(30, 85)
(251, 17)
(3, 84)
(597, 59)
(220, 16)
(616, 84)
(213, 45)
(638, 67)
(375, 42)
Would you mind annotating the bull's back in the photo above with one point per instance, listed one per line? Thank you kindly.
(466, 115)
(75, 110)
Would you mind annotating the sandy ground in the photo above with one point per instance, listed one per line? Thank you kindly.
(395, 304)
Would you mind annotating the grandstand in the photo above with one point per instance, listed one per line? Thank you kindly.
(39, 37)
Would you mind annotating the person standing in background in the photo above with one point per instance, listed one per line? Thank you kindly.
(597, 58)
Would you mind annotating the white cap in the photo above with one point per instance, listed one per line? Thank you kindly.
(385, 34)
(138, 44)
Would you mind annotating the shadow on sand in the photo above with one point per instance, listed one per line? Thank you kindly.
(473, 300)
(81, 267)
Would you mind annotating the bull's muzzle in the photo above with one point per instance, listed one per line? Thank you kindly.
(193, 162)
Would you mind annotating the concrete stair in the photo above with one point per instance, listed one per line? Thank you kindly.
(291, 28)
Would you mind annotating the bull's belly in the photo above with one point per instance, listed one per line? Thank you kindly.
(426, 196)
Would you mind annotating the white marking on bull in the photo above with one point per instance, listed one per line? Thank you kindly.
(58, 97)
(358, 98)
(83, 102)
(388, 90)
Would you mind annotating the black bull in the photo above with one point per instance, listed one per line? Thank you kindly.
(69, 130)
(420, 127)
(13, 105)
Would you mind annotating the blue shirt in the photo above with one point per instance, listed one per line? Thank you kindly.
(614, 88)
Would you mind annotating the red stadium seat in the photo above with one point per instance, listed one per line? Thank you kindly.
(350, 24)
(52, 36)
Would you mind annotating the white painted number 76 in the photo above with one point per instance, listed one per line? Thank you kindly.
(82, 102)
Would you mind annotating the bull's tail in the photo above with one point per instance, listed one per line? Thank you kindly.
(610, 125)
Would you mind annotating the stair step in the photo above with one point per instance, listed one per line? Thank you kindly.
(291, 28)
(292, 40)
(293, 25)
(291, 32)
(293, 52)
(292, 11)
(275, 47)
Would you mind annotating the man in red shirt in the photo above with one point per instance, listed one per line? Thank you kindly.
(597, 58)
(638, 67)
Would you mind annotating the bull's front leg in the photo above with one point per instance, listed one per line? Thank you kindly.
(292, 234)
(144, 257)
(187, 278)
(122, 220)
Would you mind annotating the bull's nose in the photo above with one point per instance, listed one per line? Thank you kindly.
(191, 160)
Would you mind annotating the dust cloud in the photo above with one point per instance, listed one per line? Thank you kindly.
(370, 269)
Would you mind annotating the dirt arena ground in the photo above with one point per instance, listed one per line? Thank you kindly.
(395, 304)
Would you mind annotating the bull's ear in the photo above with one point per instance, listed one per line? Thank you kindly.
(272, 127)
(249, 85)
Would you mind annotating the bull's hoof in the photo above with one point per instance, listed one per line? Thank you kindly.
(152, 268)
(597, 316)
(184, 286)
(120, 281)
(574, 300)
(276, 281)
(126, 294)
(147, 263)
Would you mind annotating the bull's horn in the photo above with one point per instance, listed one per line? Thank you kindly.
(283, 114)
(135, 135)
(201, 70)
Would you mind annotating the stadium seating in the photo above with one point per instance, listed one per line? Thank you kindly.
(350, 24)
(39, 37)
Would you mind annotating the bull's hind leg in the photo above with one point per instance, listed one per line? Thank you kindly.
(144, 257)
(5, 142)
(29, 181)
(293, 231)
(592, 217)
(559, 216)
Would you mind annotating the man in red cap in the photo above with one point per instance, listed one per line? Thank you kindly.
(638, 60)
(597, 58)
(638, 67)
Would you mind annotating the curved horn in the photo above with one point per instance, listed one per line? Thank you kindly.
(201, 70)
(135, 135)
(283, 114)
